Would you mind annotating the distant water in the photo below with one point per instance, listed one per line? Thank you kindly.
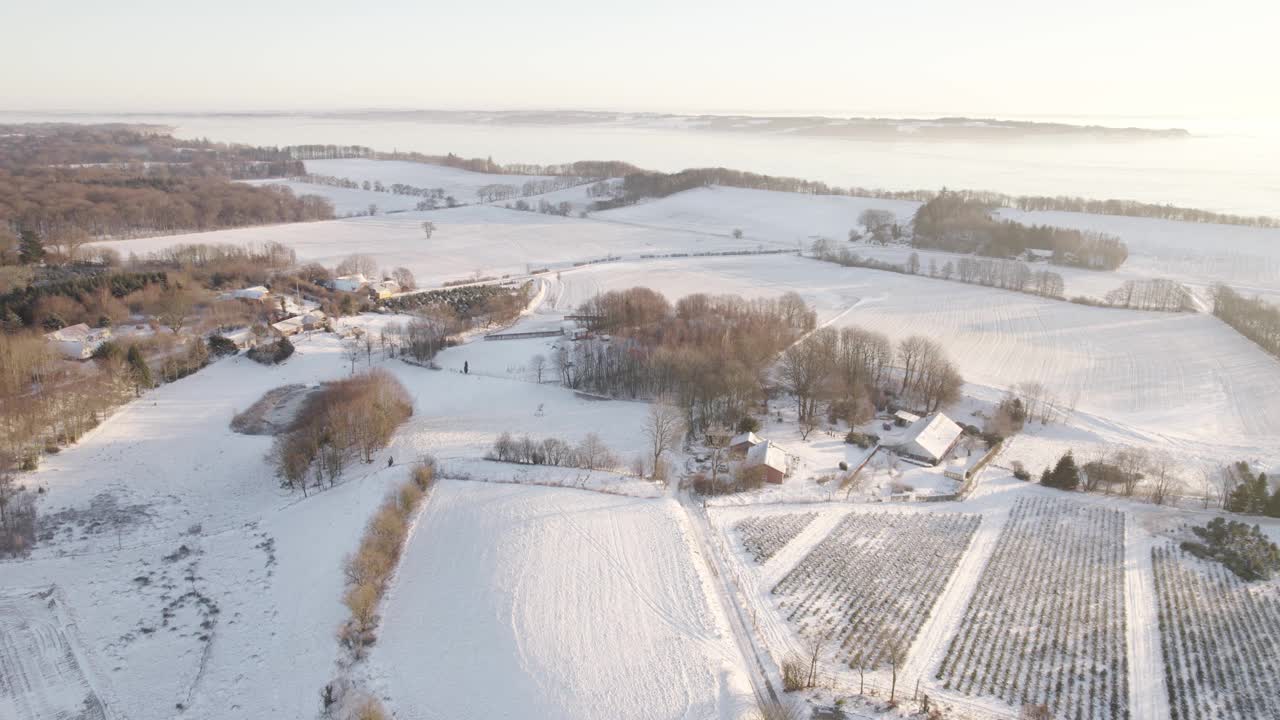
(1231, 168)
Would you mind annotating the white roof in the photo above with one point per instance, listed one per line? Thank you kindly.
(746, 437)
(71, 333)
(358, 277)
(289, 323)
(769, 455)
(256, 292)
(931, 437)
(909, 417)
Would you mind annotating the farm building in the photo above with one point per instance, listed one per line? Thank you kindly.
(78, 341)
(313, 320)
(386, 289)
(771, 458)
(256, 292)
(289, 327)
(902, 418)
(740, 444)
(930, 439)
(244, 338)
(350, 283)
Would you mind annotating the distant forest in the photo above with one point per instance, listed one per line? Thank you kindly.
(67, 184)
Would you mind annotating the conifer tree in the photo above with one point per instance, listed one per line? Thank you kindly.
(139, 372)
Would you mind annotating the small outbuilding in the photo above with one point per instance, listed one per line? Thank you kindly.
(742, 443)
(930, 440)
(771, 458)
(257, 292)
(289, 327)
(244, 338)
(902, 418)
(78, 342)
(386, 289)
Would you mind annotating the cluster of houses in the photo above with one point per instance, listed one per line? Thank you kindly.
(382, 289)
(928, 440)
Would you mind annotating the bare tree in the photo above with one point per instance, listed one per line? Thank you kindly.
(404, 278)
(805, 366)
(1163, 483)
(174, 307)
(664, 427)
(8, 487)
(1131, 463)
(351, 351)
(428, 228)
(896, 653)
(358, 264)
(859, 662)
(539, 365)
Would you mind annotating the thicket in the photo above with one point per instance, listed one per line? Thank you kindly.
(959, 223)
(1243, 549)
(707, 354)
(1152, 294)
(272, 353)
(589, 454)
(347, 420)
(1253, 318)
(369, 570)
(67, 182)
(77, 297)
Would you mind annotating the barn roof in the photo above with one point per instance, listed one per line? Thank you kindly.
(746, 437)
(769, 455)
(931, 437)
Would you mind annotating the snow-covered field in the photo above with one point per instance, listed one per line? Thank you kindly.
(1183, 381)
(461, 184)
(1196, 254)
(551, 603)
(471, 240)
(188, 584)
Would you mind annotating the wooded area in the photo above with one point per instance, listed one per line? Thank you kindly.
(69, 184)
(1253, 318)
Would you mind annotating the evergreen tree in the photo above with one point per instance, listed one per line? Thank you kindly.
(1065, 475)
(1273, 503)
(1253, 495)
(139, 372)
(30, 251)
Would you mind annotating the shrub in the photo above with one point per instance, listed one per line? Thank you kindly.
(844, 465)
(862, 440)
(748, 424)
(221, 346)
(794, 674)
(1244, 550)
(1020, 471)
(272, 353)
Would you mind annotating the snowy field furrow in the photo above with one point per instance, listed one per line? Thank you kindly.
(584, 605)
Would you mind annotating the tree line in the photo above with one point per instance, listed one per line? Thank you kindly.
(1013, 275)
(1253, 318)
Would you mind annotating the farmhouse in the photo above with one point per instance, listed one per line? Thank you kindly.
(350, 283)
(78, 341)
(770, 457)
(930, 439)
(742, 443)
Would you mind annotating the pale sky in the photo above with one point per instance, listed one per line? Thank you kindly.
(1125, 58)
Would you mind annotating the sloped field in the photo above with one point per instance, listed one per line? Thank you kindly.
(550, 603)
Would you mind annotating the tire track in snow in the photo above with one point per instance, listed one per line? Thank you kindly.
(1148, 696)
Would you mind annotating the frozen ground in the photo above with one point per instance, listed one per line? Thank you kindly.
(550, 603)
(462, 184)
(468, 241)
(1197, 254)
(1184, 382)
(198, 589)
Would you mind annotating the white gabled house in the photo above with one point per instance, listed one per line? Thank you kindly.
(78, 342)
(930, 440)
(770, 457)
(350, 283)
(742, 443)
